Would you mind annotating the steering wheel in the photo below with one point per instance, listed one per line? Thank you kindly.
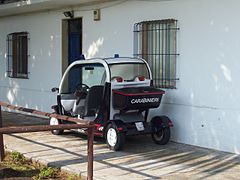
(81, 91)
(81, 88)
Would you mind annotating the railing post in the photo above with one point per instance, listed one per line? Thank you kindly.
(90, 153)
(1, 138)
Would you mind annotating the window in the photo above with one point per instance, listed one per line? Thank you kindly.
(17, 53)
(129, 71)
(155, 41)
(93, 75)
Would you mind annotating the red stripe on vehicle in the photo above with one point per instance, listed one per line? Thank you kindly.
(139, 94)
(120, 129)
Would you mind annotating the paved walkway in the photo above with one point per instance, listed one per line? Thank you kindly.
(141, 159)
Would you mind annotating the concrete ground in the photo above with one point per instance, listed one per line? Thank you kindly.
(140, 159)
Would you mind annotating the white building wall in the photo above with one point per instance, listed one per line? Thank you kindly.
(204, 107)
(44, 61)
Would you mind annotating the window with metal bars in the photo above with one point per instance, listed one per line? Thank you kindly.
(155, 41)
(17, 55)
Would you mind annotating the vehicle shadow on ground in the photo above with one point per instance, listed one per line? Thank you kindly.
(140, 156)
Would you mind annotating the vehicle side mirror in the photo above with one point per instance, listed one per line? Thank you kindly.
(55, 89)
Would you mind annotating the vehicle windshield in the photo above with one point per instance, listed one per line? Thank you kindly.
(88, 74)
(129, 71)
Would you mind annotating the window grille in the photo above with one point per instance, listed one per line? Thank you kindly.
(17, 55)
(155, 41)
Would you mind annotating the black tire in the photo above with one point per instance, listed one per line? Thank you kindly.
(114, 144)
(162, 137)
(54, 121)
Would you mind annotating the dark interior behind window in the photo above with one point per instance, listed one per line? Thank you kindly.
(17, 55)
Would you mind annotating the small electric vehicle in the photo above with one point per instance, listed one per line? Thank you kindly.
(117, 94)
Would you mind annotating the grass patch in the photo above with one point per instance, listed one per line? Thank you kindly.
(18, 158)
(46, 173)
(16, 165)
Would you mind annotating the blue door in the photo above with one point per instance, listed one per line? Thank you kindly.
(74, 51)
(74, 47)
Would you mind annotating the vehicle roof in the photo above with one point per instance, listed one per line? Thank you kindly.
(118, 60)
(105, 62)
(123, 60)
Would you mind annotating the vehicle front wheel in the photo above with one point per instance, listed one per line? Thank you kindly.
(114, 139)
(162, 137)
(55, 121)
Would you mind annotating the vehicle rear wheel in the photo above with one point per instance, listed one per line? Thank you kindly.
(162, 137)
(55, 121)
(114, 139)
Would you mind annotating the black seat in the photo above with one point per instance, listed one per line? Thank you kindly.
(93, 100)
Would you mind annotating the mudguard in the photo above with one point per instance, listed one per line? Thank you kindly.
(55, 108)
(161, 122)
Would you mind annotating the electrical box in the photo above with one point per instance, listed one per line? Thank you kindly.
(97, 15)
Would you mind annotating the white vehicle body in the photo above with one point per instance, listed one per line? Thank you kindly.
(116, 94)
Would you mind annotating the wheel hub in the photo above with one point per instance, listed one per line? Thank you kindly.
(112, 137)
(159, 135)
(54, 121)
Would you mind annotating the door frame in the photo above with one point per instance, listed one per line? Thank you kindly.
(65, 42)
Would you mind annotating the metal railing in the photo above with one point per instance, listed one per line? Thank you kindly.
(24, 129)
